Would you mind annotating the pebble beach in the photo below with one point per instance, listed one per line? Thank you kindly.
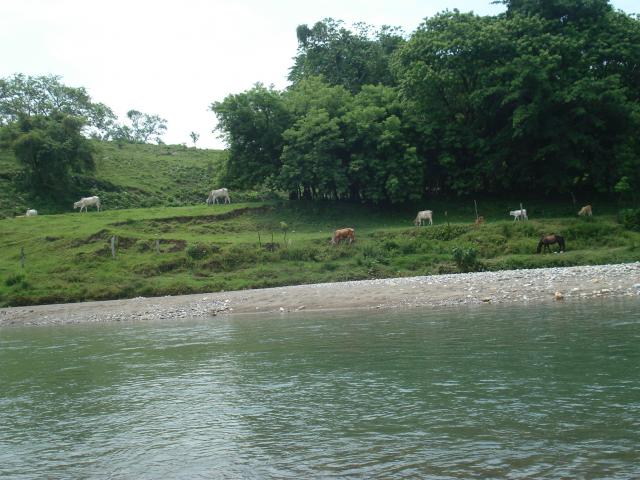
(500, 287)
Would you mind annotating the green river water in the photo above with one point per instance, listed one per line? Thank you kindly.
(550, 391)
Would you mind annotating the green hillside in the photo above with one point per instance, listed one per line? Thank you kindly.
(127, 176)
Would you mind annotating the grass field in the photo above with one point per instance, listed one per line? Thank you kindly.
(177, 250)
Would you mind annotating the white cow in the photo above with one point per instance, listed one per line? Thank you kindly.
(31, 213)
(87, 202)
(221, 192)
(519, 214)
(422, 217)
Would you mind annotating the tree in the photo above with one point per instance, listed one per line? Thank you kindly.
(252, 124)
(383, 162)
(522, 101)
(314, 157)
(50, 148)
(194, 137)
(22, 95)
(144, 126)
(343, 57)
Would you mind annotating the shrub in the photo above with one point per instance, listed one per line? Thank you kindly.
(238, 256)
(371, 251)
(200, 250)
(466, 259)
(17, 279)
(304, 254)
(444, 232)
(630, 218)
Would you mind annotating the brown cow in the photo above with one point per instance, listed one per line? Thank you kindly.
(343, 234)
(586, 210)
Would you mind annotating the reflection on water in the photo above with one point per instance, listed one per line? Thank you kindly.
(491, 391)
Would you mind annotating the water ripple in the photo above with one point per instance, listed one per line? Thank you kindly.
(488, 392)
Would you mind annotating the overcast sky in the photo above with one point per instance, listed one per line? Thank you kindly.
(174, 58)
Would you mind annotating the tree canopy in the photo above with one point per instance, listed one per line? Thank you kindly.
(22, 95)
(51, 149)
(142, 128)
(542, 98)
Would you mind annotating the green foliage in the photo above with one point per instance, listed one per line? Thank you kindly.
(143, 127)
(51, 149)
(344, 57)
(252, 124)
(198, 251)
(443, 232)
(630, 218)
(24, 96)
(17, 280)
(543, 99)
(466, 259)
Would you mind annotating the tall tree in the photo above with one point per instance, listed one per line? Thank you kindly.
(51, 149)
(145, 126)
(252, 124)
(522, 101)
(22, 95)
(345, 57)
(383, 163)
(314, 157)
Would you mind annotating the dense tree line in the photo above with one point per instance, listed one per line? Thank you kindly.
(542, 98)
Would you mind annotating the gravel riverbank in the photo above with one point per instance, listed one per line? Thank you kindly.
(537, 285)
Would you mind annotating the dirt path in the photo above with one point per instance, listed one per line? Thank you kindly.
(539, 285)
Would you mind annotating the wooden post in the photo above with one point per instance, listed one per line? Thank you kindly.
(113, 246)
(157, 246)
(22, 257)
(475, 204)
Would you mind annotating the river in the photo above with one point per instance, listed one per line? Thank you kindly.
(547, 391)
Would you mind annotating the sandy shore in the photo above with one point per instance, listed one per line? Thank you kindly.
(539, 285)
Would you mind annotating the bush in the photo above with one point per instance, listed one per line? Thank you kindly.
(303, 254)
(443, 232)
(630, 218)
(198, 251)
(17, 279)
(371, 251)
(466, 259)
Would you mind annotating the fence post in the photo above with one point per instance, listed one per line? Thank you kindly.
(113, 246)
(157, 246)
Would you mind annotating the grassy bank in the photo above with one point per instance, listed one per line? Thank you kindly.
(177, 250)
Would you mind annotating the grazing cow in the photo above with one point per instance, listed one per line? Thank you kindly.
(519, 214)
(586, 210)
(87, 202)
(31, 213)
(343, 234)
(214, 194)
(422, 216)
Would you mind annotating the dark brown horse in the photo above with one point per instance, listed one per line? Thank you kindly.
(547, 240)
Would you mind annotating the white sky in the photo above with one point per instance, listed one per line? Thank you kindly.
(174, 58)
